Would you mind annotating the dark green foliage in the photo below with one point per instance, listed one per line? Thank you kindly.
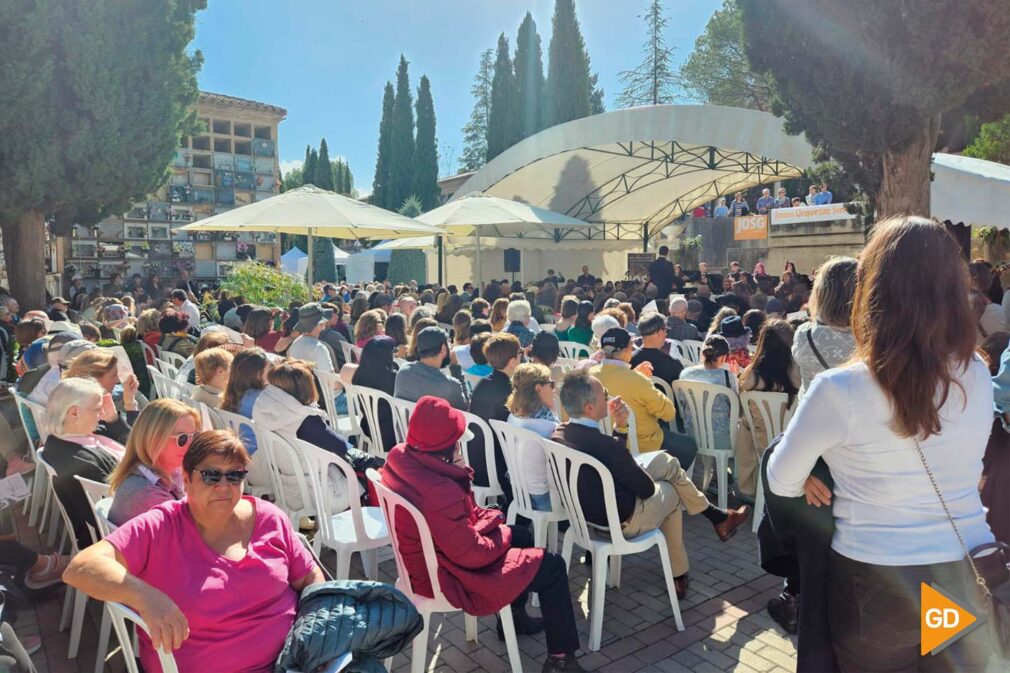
(380, 183)
(993, 142)
(323, 169)
(292, 179)
(425, 185)
(503, 119)
(309, 167)
(407, 265)
(529, 74)
(568, 88)
(95, 97)
(475, 132)
(401, 156)
(717, 71)
(411, 206)
(323, 266)
(596, 105)
(654, 81)
(876, 89)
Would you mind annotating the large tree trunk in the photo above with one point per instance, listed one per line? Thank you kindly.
(904, 187)
(25, 254)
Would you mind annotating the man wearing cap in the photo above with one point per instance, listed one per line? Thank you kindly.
(312, 320)
(677, 326)
(484, 565)
(656, 349)
(58, 309)
(425, 377)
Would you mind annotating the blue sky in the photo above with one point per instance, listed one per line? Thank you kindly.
(326, 61)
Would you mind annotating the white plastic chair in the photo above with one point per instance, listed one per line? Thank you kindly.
(567, 364)
(697, 400)
(150, 357)
(607, 428)
(402, 409)
(573, 350)
(775, 412)
(75, 602)
(482, 494)
(514, 442)
(345, 425)
(100, 501)
(50, 514)
(391, 503)
(168, 370)
(356, 529)
(564, 465)
(547, 327)
(472, 380)
(677, 350)
(692, 351)
(352, 354)
(260, 480)
(286, 462)
(664, 386)
(166, 387)
(38, 499)
(120, 615)
(369, 402)
(174, 360)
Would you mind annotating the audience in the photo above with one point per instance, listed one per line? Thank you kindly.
(826, 341)
(175, 337)
(656, 349)
(213, 368)
(489, 397)
(424, 377)
(377, 370)
(531, 407)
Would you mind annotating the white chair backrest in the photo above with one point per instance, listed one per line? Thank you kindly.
(207, 421)
(476, 425)
(329, 381)
(243, 427)
(288, 462)
(692, 351)
(402, 409)
(38, 413)
(168, 388)
(24, 413)
(369, 402)
(74, 549)
(515, 441)
(174, 359)
(352, 354)
(318, 462)
(607, 428)
(445, 327)
(472, 379)
(549, 319)
(567, 364)
(665, 387)
(547, 327)
(156, 378)
(168, 370)
(574, 350)
(564, 466)
(120, 614)
(676, 350)
(773, 409)
(100, 501)
(390, 503)
(150, 357)
(697, 400)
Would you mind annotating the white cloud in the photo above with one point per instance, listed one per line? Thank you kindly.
(289, 165)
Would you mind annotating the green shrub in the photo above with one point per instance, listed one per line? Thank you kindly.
(264, 285)
(407, 265)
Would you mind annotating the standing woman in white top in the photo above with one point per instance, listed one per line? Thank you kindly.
(914, 393)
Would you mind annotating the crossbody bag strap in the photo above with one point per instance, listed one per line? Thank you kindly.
(817, 353)
(939, 495)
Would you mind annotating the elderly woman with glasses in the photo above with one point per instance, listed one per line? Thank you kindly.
(531, 407)
(215, 576)
(151, 471)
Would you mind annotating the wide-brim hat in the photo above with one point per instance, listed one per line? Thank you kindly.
(310, 315)
(435, 425)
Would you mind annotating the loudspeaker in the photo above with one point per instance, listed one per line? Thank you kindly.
(512, 260)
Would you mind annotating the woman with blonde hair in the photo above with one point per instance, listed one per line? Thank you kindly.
(531, 407)
(724, 312)
(371, 323)
(827, 340)
(149, 473)
(103, 366)
(499, 314)
(213, 367)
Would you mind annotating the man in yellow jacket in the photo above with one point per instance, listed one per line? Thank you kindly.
(649, 405)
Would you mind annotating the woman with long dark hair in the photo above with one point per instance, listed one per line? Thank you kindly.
(581, 330)
(377, 370)
(903, 429)
(772, 370)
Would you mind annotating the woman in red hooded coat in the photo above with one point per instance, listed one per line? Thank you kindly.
(483, 564)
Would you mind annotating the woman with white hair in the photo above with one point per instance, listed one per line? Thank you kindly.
(72, 447)
(518, 314)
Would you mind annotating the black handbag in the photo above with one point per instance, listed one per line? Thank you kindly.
(990, 567)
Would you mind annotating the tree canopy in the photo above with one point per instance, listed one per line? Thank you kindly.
(503, 119)
(77, 81)
(401, 143)
(993, 142)
(568, 86)
(475, 132)
(425, 185)
(654, 80)
(874, 90)
(380, 183)
(529, 75)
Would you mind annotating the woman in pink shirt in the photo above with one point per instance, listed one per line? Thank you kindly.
(215, 576)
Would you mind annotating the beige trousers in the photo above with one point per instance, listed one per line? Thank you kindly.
(675, 492)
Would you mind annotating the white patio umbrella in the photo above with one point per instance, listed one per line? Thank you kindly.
(311, 211)
(478, 214)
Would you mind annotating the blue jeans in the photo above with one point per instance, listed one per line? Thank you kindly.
(541, 502)
(341, 402)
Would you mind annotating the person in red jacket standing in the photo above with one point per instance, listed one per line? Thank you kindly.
(483, 564)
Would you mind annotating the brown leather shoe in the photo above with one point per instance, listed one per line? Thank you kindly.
(734, 519)
(680, 584)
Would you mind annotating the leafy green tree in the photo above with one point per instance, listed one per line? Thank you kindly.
(568, 89)
(401, 156)
(529, 75)
(411, 206)
(348, 184)
(718, 72)
(654, 80)
(323, 169)
(75, 80)
(425, 184)
(875, 89)
(596, 104)
(264, 285)
(292, 179)
(992, 143)
(503, 119)
(475, 132)
(309, 166)
(380, 183)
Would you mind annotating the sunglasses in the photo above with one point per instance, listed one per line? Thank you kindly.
(546, 383)
(211, 477)
(182, 439)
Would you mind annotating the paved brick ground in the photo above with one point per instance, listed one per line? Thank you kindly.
(726, 628)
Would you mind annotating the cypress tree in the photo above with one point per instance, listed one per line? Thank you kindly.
(503, 118)
(336, 172)
(323, 169)
(401, 156)
(529, 69)
(309, 167)
(380, 183)
(425, 184)
(475, 132)
(306, 178)
(568, 83)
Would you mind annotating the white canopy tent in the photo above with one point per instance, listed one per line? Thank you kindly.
(312, 211)
(972, 191)
(296, 262)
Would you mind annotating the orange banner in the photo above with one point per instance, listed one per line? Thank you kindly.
(750, 228)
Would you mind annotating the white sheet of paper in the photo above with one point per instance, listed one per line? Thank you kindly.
(123, 366)
(798, 315)
(13, 489)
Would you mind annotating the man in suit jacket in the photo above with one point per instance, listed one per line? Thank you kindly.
(488, 402)
(650, 494)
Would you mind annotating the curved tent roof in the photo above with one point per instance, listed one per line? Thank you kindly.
(643, 166)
